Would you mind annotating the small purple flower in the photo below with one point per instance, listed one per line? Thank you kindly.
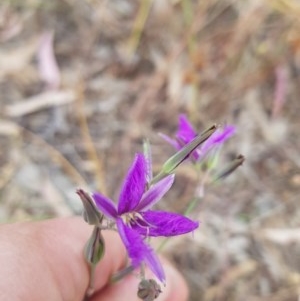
(186, 133)
(134, 220)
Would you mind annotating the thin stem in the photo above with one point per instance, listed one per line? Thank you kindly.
(198, 195)
(91, 287)
(162, 244)
(188, 18)
(158, 177)
(143, 275)
(121, 274)
(191, 206)
(139, 25)
(90, 290)
(56, 156)
(91, 150)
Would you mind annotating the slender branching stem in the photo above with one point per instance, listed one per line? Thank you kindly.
(121, 274)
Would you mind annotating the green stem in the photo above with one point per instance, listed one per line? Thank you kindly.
(91, 288)
(121, 274)
(158, 177)
(191, 206)
(162, 244)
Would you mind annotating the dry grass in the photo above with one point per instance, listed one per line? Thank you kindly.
(128, 68)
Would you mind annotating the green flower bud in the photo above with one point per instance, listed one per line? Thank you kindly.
(181, 155)
(95, 247)
(90, 213)
(230, 168)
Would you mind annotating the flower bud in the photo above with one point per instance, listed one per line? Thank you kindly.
(230, 168)
(148, 290)
(90, 213)
(181, 155)
(95, 247)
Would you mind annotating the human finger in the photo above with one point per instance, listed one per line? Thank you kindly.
(44, 260)
(126, 289)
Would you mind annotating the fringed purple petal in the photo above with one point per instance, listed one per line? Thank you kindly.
(218, 138)
(171, 141)
(133, 243)
(155, 266)
(160, 223)
(227, 132)
(134, 185)
(155, 193)
(105, 205)
(138, 250)
(185, 132)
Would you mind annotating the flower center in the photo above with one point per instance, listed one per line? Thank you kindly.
(135, 218)
(131, 217)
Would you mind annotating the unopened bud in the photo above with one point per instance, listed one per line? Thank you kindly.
(230, 168)
(95, 247)
(181, 155)
(90, 213)
(148, 290)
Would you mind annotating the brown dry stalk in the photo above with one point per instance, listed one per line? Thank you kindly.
(57, 157)
(139, 24)
(98, 169)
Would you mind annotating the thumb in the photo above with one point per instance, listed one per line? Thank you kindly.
(44, 260)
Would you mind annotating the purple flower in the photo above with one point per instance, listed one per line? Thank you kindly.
(134, 220)
(186, 133)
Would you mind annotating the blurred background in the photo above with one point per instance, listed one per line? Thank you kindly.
(83, 82)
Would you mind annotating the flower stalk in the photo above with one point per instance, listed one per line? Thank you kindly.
(134, 218)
